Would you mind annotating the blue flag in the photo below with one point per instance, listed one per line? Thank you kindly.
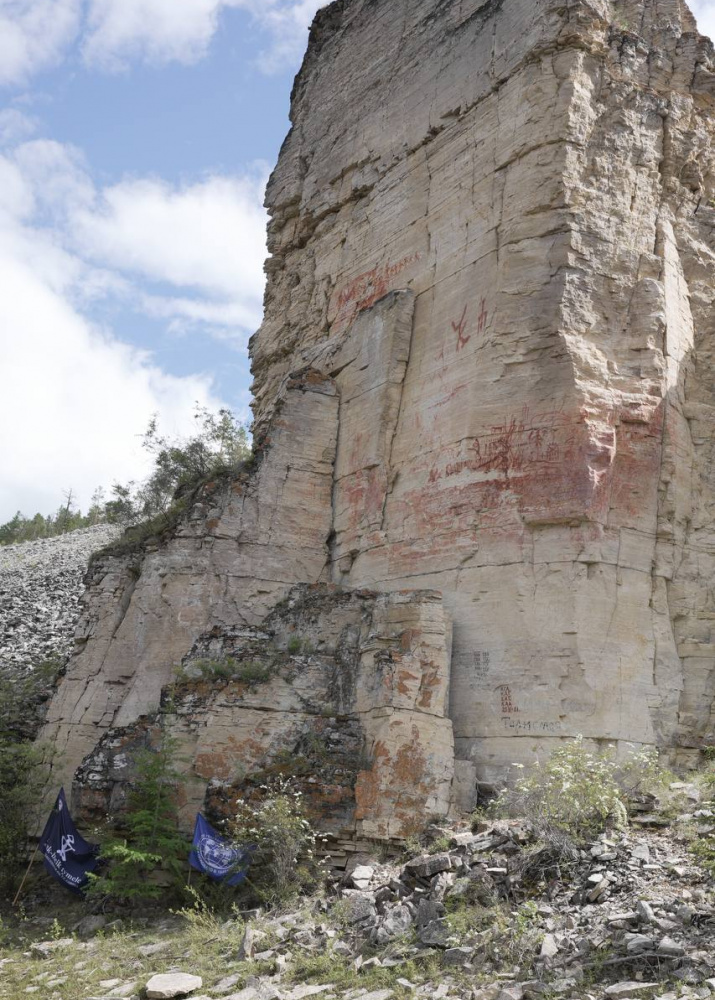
(68, 856)
(213, 855)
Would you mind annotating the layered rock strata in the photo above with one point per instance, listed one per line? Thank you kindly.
(483, 372)
(342, 693)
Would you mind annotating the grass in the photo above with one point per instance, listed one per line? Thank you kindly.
(196, 941)
(249, 672)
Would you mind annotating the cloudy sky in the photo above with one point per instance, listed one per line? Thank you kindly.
(135, 141)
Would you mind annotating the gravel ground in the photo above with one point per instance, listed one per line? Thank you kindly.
(41, 584)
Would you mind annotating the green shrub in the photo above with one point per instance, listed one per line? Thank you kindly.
(286, 862)
(577, 793)
(23, 774)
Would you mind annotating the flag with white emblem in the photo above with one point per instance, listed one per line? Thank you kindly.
(216, 857)
(68, 856)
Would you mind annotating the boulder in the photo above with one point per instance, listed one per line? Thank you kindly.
(172, 984)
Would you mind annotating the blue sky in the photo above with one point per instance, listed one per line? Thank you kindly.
(136, 137)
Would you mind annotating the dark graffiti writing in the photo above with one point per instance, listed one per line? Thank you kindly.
(507, 704)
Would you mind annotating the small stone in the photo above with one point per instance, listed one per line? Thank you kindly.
(549, 948)
(667, 946)
(427, 911)
(226, 984)
(358, 908)
(394, 924)
(513, 992)
(435, 934)
(361, 876)
(176, 984)
(645, 911)
(44, 949)
(598, 891)
(641, 852)
(147, 950)
(301, 992)
(638, 942)
(632, 989)
(429, 865)
(91, 925)
(458, 957)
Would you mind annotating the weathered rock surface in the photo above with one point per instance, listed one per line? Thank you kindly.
(542, 187)
(355, 714)
(483, 372)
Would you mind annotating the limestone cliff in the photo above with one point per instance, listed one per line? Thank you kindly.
(483, 373)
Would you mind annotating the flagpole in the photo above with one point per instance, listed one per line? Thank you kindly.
(34, 855)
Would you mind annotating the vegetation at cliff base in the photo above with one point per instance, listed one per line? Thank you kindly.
(149, 862)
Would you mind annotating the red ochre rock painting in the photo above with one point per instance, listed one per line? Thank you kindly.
(556, 465)
(368, 288)
(459, 329)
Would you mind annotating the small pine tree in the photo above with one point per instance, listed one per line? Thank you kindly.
(151, 861)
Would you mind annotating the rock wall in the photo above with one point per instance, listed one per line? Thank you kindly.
(345, 693)
(483, 372)
(539, 175)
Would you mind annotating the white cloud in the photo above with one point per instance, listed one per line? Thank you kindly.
(74, 399)
(208, 236)
(225, 320)
(287, 21)
(704, 11)
(34, 35)
(156, 31)
(15, 126)
(161, 31)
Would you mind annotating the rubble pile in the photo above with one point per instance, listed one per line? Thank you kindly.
(41, 584)
(633, 903)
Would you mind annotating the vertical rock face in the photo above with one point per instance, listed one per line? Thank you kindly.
(484, 371)
(539, 176)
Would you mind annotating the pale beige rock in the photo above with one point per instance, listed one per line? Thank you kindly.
(539, 179)
(172, 984)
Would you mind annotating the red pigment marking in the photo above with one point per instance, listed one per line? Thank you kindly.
(365, 290)
(459, 329)
(520, 442)
(483, 316)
